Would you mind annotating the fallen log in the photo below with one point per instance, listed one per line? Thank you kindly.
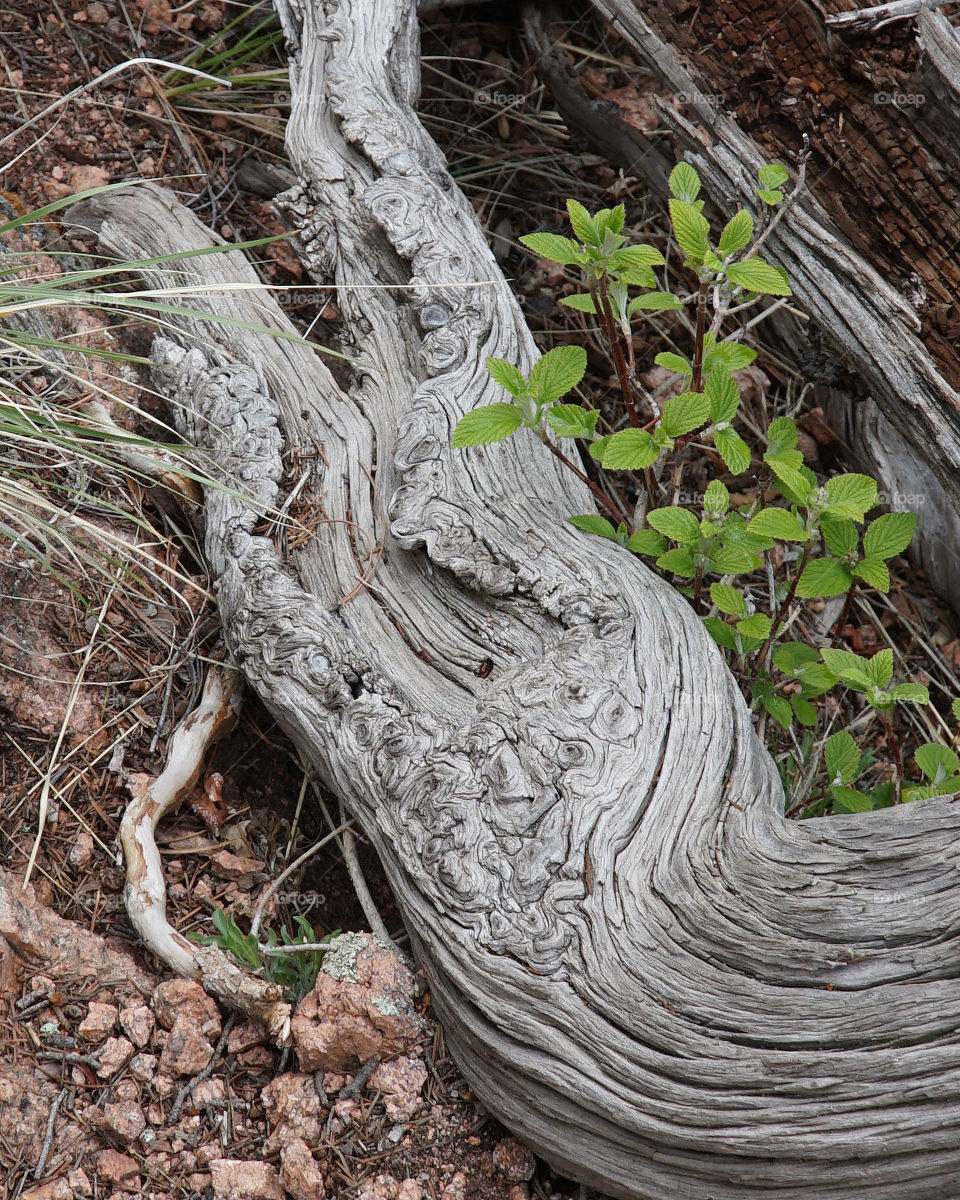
(642, 968)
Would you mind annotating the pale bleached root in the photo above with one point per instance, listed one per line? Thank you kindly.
(145, 891)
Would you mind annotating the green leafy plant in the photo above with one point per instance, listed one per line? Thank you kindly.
(820, 527)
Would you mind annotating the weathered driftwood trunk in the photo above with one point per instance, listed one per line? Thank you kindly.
(647, 972)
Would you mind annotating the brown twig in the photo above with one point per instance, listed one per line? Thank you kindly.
(604, 499)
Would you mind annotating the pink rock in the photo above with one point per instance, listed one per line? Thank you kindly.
(119, 1169)
(514, 1160)
(400, 1082)
(98, 1023)
(124, 1120)
(360, 1007)
(114, 1054)
(410, 1189)
(293, 1109)
(383, 1187)
(236, 1179)
(456, 1189)
(56, 1189)
(187, 1051)
(143, 1067)
(137, 1023)
(81, 851)
(299, 1173)
(79, 1182)
(246, 1036)
(186, 998)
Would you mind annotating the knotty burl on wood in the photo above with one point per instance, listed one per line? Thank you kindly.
(642, 968)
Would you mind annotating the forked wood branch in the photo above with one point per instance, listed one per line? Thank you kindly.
(645, 970)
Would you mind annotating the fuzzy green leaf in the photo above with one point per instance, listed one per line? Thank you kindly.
(780, 524)
(792, 655)
(758, 626)
(734, 356)
(823, 577)
(723, 394)
(673, 362)
(758, 276)
(842, 758)
(889, 535)
(782, 435)
(874, 573)
(678, 524)
(736, 233)
(507, 375)
(839, 533)
(733, 450)
(595, 524)
(582, 223)
(684, 182)
(647, 541)
(557, 372)
(909, 693)
(728, 599)
(731, 560)
(570, 420)
(851, 495)
(684, 413)
(581, 301)
(806, 713)
(773, 175)
(488, 423)
(630, 450)
(936, 762)
(716, 499)
(679, 561)
(691, 229)
(553, 247)
(779, 708)
(879, 668)
(654, 302)
(611, 219)
(633, 257)
(849, 800)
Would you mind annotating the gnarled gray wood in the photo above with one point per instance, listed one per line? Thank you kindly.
(641, 966)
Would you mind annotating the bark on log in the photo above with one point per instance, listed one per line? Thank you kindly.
(645, 970)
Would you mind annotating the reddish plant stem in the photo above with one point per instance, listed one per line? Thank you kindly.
(696, 384)
(697, 589)
(898, 761)
(785, 606)
(600, 494)
(845, 612)
(601, 297)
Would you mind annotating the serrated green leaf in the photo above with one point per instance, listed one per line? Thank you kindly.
(647, 541)
(849, 800)
(770, 197)
(734, 356)
(733, 450)
(678, 524)
(839, 533)
(582, 223)
(654, 302)
(595, 524)
(772, 175)
(735, 533)
(723, 394)
(880, 668)
(716, 499)
(598, 447)
(684, 182)
(721, 633)
(779, 708)
(736, 233)
(806, 713)
(874, 573)
(842, 758)
(728, 599)
(841, 661)
(557, 372)
(609, 218)
(796, 486)
(782, 435)
(936, 762)
(889, 535)
(582, 302)
(571, 420)
(679, 561)
(780, 524)
(730, 560)
(630, 450)
(690, 228)
(684, 413)
(635, 257)
(758, 626)
(792, 655)
(758, 276)
(816, 679)
(553, 247)
(909, 693)
(488, 423)
(851, 495)
(823, 577)
(673, 362)
(507, 375)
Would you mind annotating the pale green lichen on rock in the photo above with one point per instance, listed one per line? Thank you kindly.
(340, 959)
